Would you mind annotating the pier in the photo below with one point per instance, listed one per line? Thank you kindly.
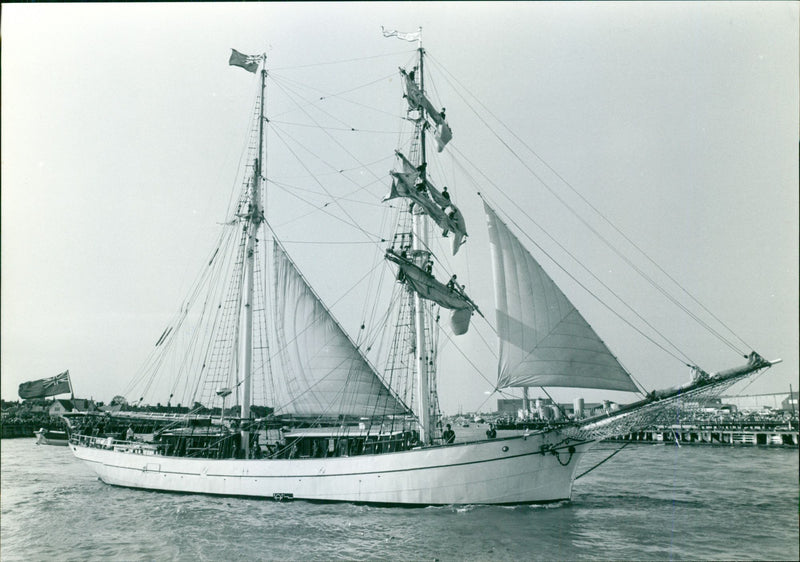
(714, 435)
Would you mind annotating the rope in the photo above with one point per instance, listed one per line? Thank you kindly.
(352, 129)
(602, 461)
(353, 223)
(652, 282)
(342, 61)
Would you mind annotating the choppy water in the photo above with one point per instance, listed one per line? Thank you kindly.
(651, 502)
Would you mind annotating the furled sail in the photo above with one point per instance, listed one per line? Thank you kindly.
(418, 100)
(450, 218)
(326, 374)
(449, 296)
(436, 204)
(408, 167)
(544, 340)
(443, 135)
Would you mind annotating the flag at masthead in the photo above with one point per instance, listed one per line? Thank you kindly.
(248, 62)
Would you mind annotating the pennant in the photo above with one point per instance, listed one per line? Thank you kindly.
(45, 387)
(248, 62)
(405, 36)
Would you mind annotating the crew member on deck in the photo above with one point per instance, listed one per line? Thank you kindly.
(449, 435)
(491, 433)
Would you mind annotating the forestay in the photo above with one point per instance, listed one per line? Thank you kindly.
(325, 373)
(544, 340)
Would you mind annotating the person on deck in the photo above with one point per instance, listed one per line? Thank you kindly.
(448, 435)
(129, 434)
(491, 433)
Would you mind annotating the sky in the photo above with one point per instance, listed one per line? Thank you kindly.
(122, 128)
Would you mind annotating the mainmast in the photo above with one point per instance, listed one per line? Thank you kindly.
(255, 216)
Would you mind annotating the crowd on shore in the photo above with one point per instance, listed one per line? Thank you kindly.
(21, 419)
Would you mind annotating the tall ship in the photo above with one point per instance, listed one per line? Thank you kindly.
(287, 404)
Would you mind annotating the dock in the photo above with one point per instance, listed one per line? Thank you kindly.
(730, 435)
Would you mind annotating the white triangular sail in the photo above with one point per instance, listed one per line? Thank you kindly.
(325, 373)
(544, 340)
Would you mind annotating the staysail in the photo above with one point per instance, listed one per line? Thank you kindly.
(325, 372)
(544, 340)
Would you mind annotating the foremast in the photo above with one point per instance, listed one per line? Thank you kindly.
(414, 257)
(421, 256)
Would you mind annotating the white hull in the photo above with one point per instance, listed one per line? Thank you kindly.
(500, 471)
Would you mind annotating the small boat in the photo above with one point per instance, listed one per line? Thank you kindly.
(51, 437)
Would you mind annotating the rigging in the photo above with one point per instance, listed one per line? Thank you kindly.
(547, 186)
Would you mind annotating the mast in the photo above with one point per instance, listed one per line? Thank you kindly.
(421, 256)
(255, 217)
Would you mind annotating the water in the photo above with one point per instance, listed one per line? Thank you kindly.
(652, 502)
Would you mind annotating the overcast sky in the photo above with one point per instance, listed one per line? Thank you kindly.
(122, 126)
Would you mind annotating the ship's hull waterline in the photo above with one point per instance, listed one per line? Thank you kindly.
(536, 468)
